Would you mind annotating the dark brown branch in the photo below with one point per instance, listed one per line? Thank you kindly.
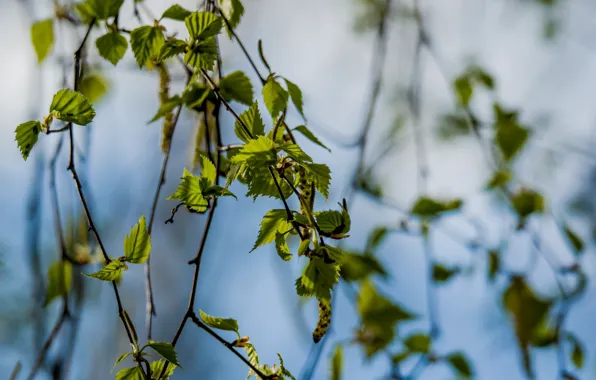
(48, 343)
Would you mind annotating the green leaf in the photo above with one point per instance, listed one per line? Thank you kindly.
(190, 193)
(499, 179)
(202, 25)
(253, 121)
(110, 272)
(428, 207)
(121, 358)
(577, 351)
(282, 247)
(510, 139)
(236, 86)
(273, 222)
(227, 324)
(304, 244)
(418, 343)
(275, 97)
(209, 171)
(284, 370)
(171, 48)
(331, 222)
(137, 244)
(59, 280)
(112, 46)
(72, 106)
(202, 54)
(85, 12)
(527, 312)
(104, 9)
(257, 152)
(442, 274)
(318, 279)
(176, 12)
(463, 90)
(253, 357)
(526, 202)
(337, 362)
(232, 11)
(376, 237)
(322, 177)
(460, 364)
(576, 242)
(26, 136)
(42, 37)
(146, 43)
(166, 108)
(358, 267)
(378, 317)
(296, 95)
(157, 368)
(134, 373)
(93, 87)
(166, 351)
(296, 153)
(309, 135)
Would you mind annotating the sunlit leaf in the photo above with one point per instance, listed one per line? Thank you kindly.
(309, 135)
(202, 25)
(190, 193)
(137, 244)
(112, 46)
(146, 43)
(296, 96)
(42, 36)
(134, 373)
(275, 97)
(72, 106)
(227, 324)
(110, 272)
(176, 12)
(166, 351)
(274, 221)
(26, 136)
(252, 121)
(236, 86)
(337, 363)
(282, 247)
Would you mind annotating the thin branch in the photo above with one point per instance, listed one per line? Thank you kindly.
(44, 350)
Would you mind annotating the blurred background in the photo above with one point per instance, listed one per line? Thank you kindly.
(541, 55)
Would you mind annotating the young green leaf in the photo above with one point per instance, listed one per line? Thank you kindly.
(93, 87)
(318, 279)
(157, 368)
(166, 108)
(110, 272)
(296, 153)
(296, 95)
(26, 136)
(227, 324)
(376, 237)
(418, 343)
(236, 86)
(359, 267)
(337, 363)
(42, 37)
(526, 202)
(190, 193)
(442, 274)
(258, 152)
(134, 373)
(460, 364)
(428, 207)
(121, 358)
(494, 264)
(232, 10)
(253, 121)
(104, 9)
(176, 12)
(253, 357)
(577, 350)
(282, 247)
(112, 46)
(463, 89)
(166, 351)
(171, 48)
(309, 135)
(146, 42)
(275, 97)
(331, 222)
(284, 370)
(275, 221)
(499, 179)
(322, 177)
(59, 280)
(72, 106)
(137, 244)
(576, 242)
(202, 25)
(510, 139)
(202, 54)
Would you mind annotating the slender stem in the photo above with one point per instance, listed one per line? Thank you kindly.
(150, 301)
(48, 343)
